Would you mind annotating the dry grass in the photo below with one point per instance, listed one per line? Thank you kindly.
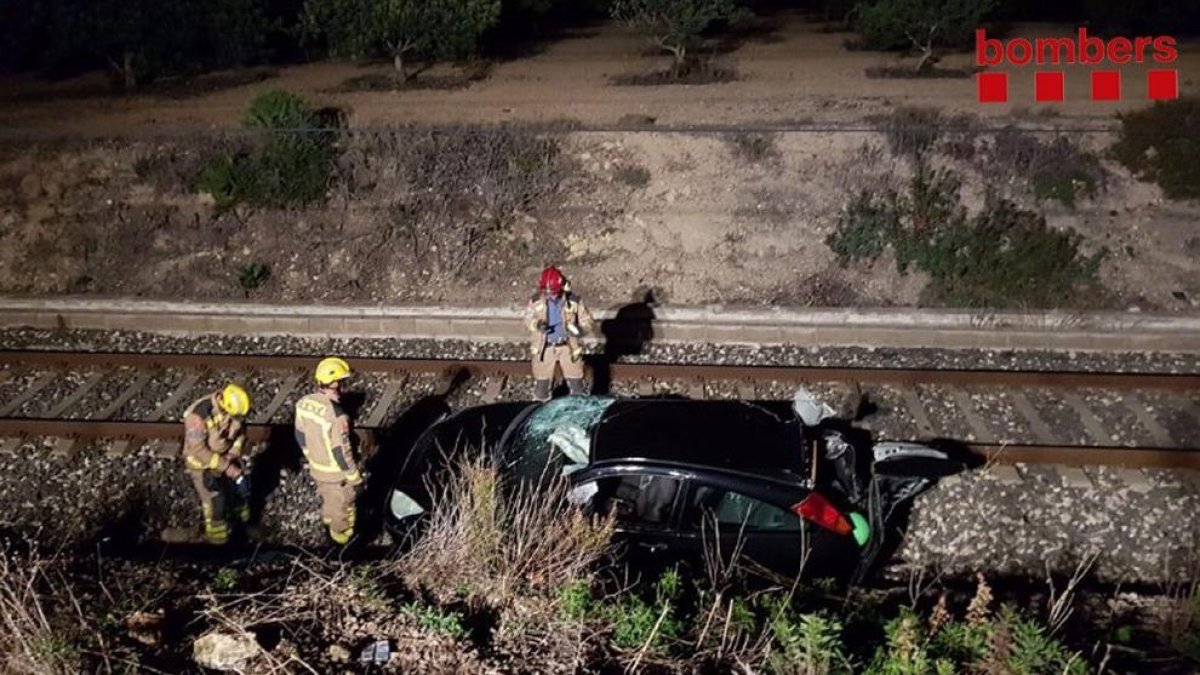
(501, 541)
(29, 641)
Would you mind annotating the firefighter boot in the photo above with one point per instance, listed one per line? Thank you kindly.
(215, 529)
(575, 386)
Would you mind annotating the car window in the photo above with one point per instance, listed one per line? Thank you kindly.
(555, 438)
(632, 498)
(735, 509)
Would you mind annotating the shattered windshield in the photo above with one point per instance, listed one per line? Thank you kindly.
(555, 438)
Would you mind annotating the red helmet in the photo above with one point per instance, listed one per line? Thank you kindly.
(552, 280)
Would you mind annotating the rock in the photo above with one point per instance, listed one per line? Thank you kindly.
(339, 654)
(145, 627)
(636, 121)
(225, 651)
(31, 187)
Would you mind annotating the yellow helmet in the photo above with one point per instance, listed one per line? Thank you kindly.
(234, 400)
(331, 370)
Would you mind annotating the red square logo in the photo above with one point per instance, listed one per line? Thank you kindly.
(1048, 86)
(1163, 85)
(993, 87)
(1106, 85)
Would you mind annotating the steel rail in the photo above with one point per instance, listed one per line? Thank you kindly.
(373, 437)
(479, 367)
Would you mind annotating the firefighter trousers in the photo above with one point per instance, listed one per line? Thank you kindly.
(218, 500)
(338, 512)
(543, 371)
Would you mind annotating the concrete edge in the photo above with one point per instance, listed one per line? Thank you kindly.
(881, 328)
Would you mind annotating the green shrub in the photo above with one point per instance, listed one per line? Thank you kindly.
(676, 26)
(866, 227)
(898, 24)
(225, 580)
(290, 166)
(911, 131)
(436, 619)
(1002, 257)
(1057, 169)
(809, 643)
(921, 24)
(753, 148)
(400, 29)
(637, 623)
(1162, 144)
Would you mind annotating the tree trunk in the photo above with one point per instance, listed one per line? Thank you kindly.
(127, 71)
(927, 58)
(398, 64)
(680, 63)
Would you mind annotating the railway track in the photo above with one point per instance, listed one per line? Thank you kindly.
(1135, 421)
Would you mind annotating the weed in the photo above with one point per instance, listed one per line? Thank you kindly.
(930, 73)
(866, 226)
(753, 148)
(31, 644)
(810, 643)
(693, 71)
(1162, 144)
(1002, 257)
(1182, 630)
(364, 579)
(638, 624)
(225, 580)
(1057, 169)
(1032, 650)
(289, 167)
(504, 539)
(436, 619)
(252, 276)
(576, 599)
(911, 131)
(633, 175)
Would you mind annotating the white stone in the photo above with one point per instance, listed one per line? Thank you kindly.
(225, 651)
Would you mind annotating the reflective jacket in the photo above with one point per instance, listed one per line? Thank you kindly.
(574, 314)
(323, 433)
(211, 438)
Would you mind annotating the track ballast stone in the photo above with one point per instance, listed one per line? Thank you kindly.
(691, 353)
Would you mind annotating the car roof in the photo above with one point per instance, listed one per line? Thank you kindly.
(759, 437)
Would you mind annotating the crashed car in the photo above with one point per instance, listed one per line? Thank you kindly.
(779, 483)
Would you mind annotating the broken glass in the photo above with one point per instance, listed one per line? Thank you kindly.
(556, 438)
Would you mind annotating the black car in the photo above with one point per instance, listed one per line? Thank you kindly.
(681, 475)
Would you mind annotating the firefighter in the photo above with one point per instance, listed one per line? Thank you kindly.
(323, 433)
(214, 439)
(556, 318)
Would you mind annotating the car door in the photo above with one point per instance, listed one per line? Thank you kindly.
(731, 520)
(645, 504)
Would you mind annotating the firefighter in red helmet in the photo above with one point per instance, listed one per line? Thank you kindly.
(556, 319)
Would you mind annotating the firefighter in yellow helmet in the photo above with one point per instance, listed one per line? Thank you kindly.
(214, 440)
(323, 433)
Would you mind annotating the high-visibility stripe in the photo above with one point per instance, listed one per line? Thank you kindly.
(194, 463)
(326, 434)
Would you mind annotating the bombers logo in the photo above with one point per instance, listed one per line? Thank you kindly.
(1082, 49)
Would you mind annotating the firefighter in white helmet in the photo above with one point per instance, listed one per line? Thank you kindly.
(214, 440)
(323, 433)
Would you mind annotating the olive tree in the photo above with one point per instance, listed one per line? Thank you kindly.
(401, 29)
(675, 25)
(921, 24)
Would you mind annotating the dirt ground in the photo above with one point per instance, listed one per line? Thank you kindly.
(681, 213)
(796, 71)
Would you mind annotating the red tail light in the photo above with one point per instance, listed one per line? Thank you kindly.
(817, 509)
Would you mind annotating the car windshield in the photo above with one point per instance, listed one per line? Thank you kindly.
(555, 438)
